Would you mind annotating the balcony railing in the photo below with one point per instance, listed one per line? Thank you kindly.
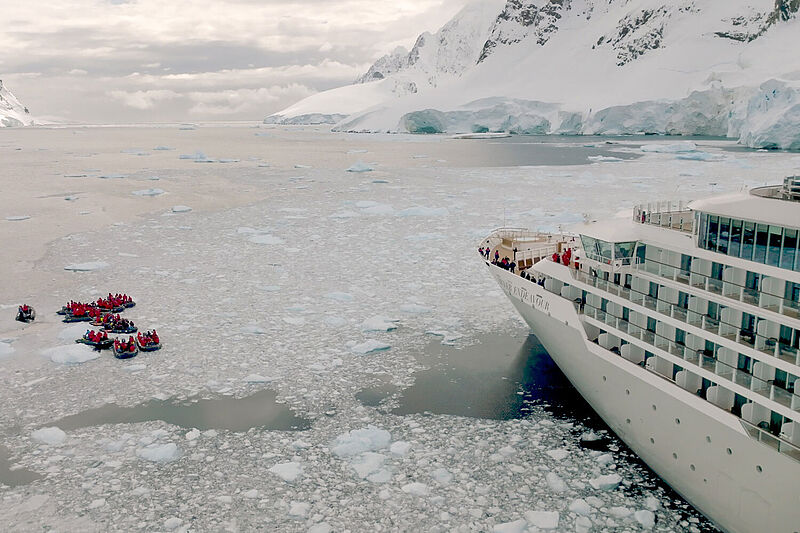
(667, 214)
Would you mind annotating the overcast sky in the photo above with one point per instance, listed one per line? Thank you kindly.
(106, 61)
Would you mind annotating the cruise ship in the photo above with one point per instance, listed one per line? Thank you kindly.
(680, 326)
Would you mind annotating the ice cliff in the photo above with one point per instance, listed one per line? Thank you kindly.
(711, 67)
(12, 113)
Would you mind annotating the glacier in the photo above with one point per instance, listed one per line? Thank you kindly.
(716, 68)
(12, 112)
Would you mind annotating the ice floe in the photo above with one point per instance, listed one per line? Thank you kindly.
(369, 346)
(160, 453)
(181, 209)
(87, 267)
(17, 218)
(70, 354)
(49, 435)
(288, 472)
(670, 148)
(379, 323)
(360, 167)
(148, 192)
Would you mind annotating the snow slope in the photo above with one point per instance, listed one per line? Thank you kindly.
(12, 113)
(712, 67)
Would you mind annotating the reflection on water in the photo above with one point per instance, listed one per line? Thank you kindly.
(259, 410)
(498, 378)
(13, 476)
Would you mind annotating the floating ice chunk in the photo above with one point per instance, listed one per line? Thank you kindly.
(271, 288)
(294, 320)
(49, 435)
(646, 518)
(111, 176)
(400, 448)
(606, 482)
(368, 439)
(322, 527)
(558, 455)
(148, 192)
(360, 166)
(257, 378)
(369, 346)
(379, 323)
(196, 155)
(340, 296)
(421, 211)
(357, 151)
(253, 329)
(555, 482)
(442, 476)
(288, 472)
(251, 494)
(542, 519)
(670, 148)
(302, 166)
(5, 348)
(416, 488)
(228, 160)
(604, 459)
(98, 503)
(604, 158)
(651, 503)
(192, 435)
(367, 463)
(619, 511)
(380, 181)
(580, 507)
(699, 156)
(17, 218)
(70, 354)
(344, 214)
(160, 453)
(517, 526)
(181, 209)
(86, 267)
(448, 337)
(299, 510)
(415, 309)
(583, 524)
(134, 368)
(162, 148)
(171, 524)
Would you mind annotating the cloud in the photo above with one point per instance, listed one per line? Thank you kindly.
(143, 99)
(232, 102)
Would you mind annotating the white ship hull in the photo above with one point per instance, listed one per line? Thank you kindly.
(701, 451)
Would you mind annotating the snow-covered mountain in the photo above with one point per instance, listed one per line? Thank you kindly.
(12, 113)
(715, 67)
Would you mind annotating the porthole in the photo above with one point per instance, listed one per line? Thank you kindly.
(652, 440)
(627, 392)
(654, 407)
(692, 468)
(708, 438)
(759, 469)
(730, 452)
(678, 421)
(675, 456)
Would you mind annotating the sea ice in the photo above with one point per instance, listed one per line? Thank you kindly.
(160, 453)
(580, 507)
(414, 309)
(542, 519)
(378, 209)
(442, 476)
(161, 148)
(555, 482)
(251, 494)
(181, 209)
(670, 148)
(558, 455)
(148, 192)
(288, 472)
(369, 346)
(646, 518)
(379, 323)
(354, 442)
(344, 214)
(171, 524)
(360, 167)
(134, 368)
(322, 527)
(194, 156)
(257, 378)
(517, 526)
(50, 435)
(16, 218)
(400, 448)
(299, 510)
(5, 348)
(699, 156)
(416, 488)
(606, 482)
(340, 296)
(253, 329)
(367, 463)
(70, 354)
(87, 267)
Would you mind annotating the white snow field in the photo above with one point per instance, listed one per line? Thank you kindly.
(711, 67)
(237, 317)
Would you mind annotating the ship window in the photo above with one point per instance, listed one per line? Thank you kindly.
(751, 280)
(744, 363)
(748, 240)
(651, 324)
(624, 249)
(724, 235)
(762, 238)
(736, 238)
(686, 264)
(713, 229)
(780, 378)
(683, 300)
(789, 248)
(680, 337)
(775, 238)
(716, 271)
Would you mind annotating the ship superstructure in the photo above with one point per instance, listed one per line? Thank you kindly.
(680, 325)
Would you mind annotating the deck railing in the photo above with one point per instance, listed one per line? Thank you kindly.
(665, 214)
